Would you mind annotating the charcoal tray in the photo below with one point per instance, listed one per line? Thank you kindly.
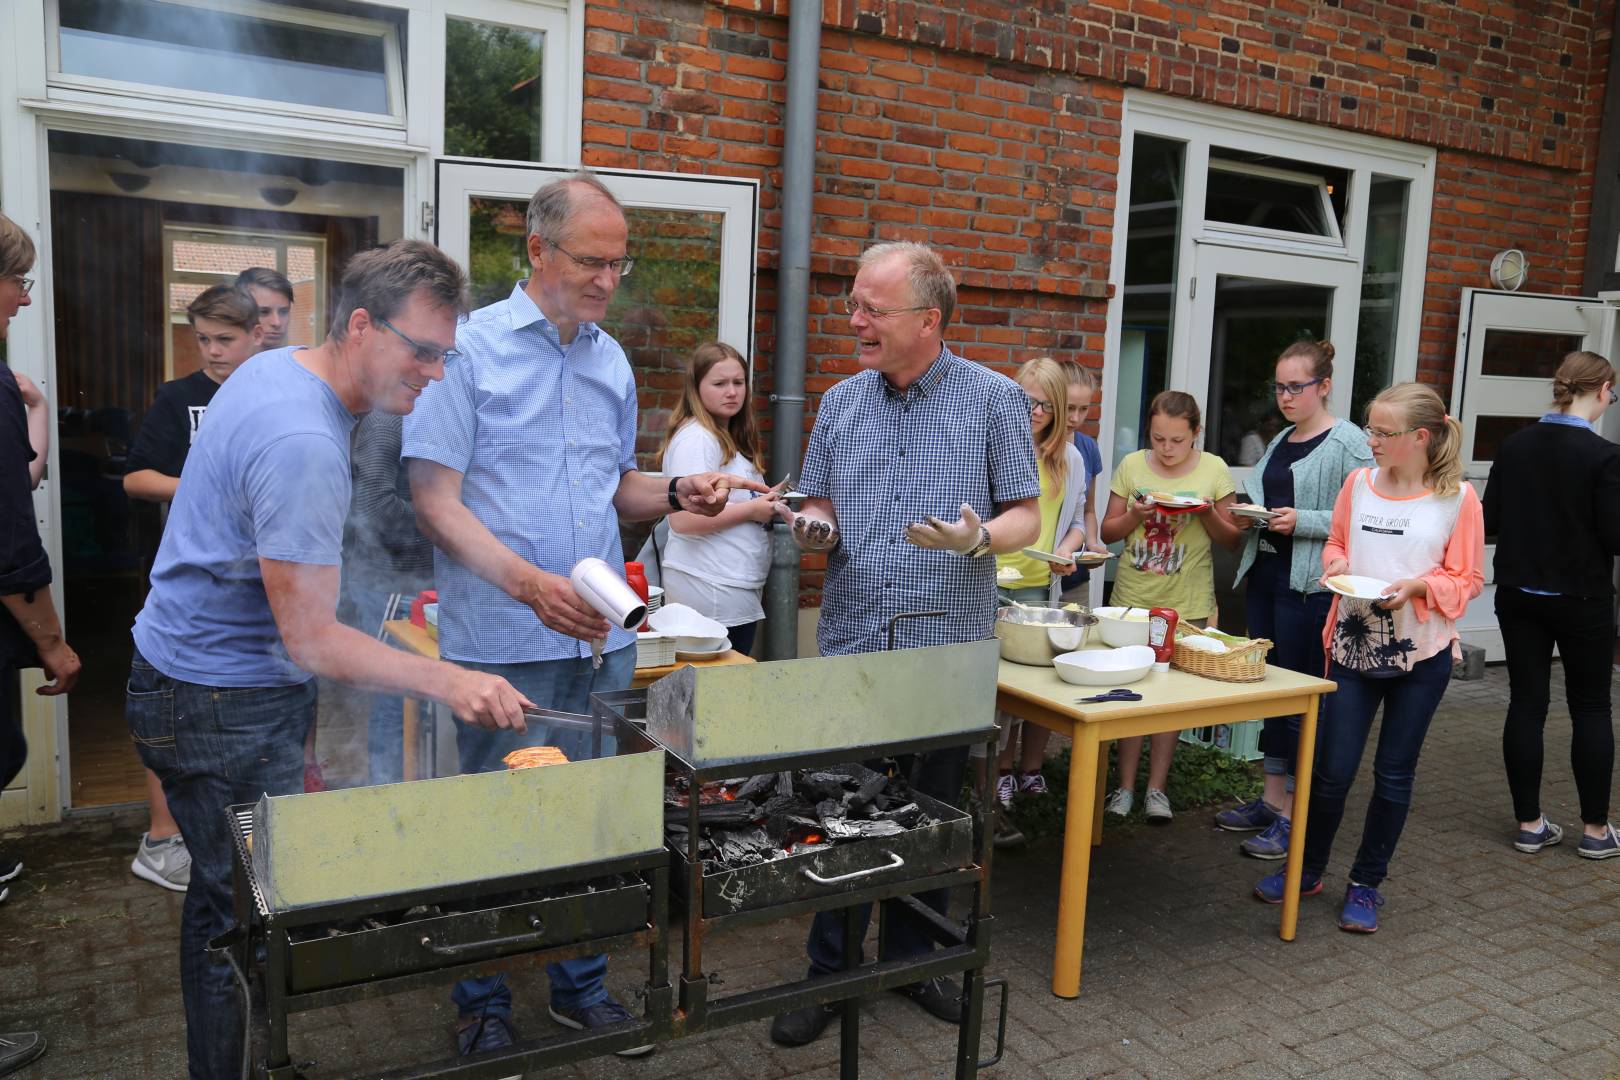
(618, 906)
(932, 849)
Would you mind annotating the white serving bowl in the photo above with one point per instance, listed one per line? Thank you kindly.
(1104, 667)
(1118, 631)
(701, 644)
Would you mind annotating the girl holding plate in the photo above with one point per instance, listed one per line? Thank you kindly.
(1296, 479)
(1414, 519)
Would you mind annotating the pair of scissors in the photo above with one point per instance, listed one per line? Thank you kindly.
(1112, 695)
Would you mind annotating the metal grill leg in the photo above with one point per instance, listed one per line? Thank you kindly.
(849, 1031)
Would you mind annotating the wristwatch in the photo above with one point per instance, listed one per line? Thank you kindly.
(674, 499)
(981, 547)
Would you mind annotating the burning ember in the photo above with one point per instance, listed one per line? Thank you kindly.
(756, 819)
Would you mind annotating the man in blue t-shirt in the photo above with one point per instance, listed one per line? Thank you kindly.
(243, 607)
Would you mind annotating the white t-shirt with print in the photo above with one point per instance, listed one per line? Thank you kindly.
(710, 568)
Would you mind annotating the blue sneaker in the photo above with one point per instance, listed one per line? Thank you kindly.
(1271, 844)
(1606, 846)
(1252, 816)
(1360, 912)
(1271, 887)
(602, 1014)
(482, 1036)
(1531, 841)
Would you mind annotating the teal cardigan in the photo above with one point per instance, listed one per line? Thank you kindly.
(1318, 476)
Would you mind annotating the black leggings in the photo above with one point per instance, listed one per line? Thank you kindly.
(1583, 630)
(13, 747)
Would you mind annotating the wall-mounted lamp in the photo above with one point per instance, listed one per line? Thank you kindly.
(129, 182)
(278, 196)
(1509, 269)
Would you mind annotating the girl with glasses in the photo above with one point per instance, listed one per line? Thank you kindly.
(1297, 477)
(1413, 521)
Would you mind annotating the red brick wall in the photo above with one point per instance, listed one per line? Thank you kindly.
(992, 131)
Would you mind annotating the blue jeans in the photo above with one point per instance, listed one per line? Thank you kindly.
(1409, 702)
(562, 686)
(213, 747)
(1292, 622)
(385, 754)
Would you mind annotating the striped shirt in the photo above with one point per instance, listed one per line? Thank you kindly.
(541, 433)
(887, 458)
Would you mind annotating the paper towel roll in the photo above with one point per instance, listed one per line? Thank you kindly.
(604, 588)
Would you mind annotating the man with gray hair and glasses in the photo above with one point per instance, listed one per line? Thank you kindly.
(243, 606)
(522, 462)
(918, 469)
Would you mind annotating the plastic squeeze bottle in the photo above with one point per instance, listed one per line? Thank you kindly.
(1162, 636)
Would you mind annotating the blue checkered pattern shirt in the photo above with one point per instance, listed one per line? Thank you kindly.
(886, 458)
(541, 433)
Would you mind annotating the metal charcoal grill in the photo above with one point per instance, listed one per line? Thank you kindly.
(758, 721)
(359, 893)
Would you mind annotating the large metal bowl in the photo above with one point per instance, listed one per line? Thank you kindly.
(1033, 633)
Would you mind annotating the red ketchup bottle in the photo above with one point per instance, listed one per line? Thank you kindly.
(635, 575)
(1162, 636)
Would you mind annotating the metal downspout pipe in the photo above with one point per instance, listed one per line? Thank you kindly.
(792, 314)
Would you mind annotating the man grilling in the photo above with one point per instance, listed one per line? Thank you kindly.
(521, 463)
(922, 450)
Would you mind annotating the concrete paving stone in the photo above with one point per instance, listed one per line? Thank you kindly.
(1444, 1013)
(1456, 1043)
(1076, 1065)
(1597, 1062)
(1345, 1046)
(1479, 1067)
(1577, 1035)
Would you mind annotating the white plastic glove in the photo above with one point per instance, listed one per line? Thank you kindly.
(810, 533)
(934, 533)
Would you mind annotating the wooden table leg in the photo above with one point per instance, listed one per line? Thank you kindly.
(1102, 791)
(1302, 805)
(1077, 823)
(409, 732)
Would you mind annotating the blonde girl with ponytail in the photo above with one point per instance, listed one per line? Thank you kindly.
(1413, 523)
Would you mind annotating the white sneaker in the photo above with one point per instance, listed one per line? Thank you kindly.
(166, 862)
(1006, 785)
(1119, 803)
(1156, 807)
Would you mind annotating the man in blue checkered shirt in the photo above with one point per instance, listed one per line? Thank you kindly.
(522, 461)
(918, 469)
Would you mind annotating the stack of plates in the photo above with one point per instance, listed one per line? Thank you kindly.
(655, 598)
(654, 650)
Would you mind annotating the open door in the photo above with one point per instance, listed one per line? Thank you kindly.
(1509, 346)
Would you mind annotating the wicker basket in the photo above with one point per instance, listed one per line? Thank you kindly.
(1245, 663)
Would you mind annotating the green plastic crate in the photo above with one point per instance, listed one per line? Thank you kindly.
(1241, 741)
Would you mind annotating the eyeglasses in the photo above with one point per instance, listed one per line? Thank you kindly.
(426, 354)
(620, 267)
(1292, 389)
(26, 284)
(1037, 405)
(1374, 433)
(852, 305)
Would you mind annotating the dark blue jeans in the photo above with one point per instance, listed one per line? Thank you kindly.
(1409, 702)
(562, 686)
(939, 774)
(1292, 622)
(214, 747)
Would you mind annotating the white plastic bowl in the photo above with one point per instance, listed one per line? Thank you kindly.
(1118, 631)
(1104, 667)
(701, 644)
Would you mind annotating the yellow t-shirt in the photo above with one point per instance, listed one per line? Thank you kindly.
(1167, 561)
(1037, 573)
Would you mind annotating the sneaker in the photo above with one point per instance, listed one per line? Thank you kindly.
(1270, 844)
(1252, 816)
(480, 1036)
(603, 1013)
(9, 867)
(939, 997)
(1006, 785)
(1156, 807)
(1271, 887)
(1032, 783)
(802, 1027)
(1360, 912)
(1006, 834)
(18, 1048)
(1606, 846)
(163, 862)
(1531, 841)
(1119, 803)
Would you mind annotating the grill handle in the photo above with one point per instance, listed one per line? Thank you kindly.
(895, 863)
(478, 946)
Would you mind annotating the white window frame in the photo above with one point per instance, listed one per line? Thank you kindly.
(70, 85)
(1334, 240)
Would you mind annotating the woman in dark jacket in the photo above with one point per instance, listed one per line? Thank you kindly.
(1553, 502)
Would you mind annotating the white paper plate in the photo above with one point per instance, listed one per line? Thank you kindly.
(1255, 513)
(1046, 556)
(1093, 558)
(1176, 502)
(1359, 588)
(711, 655)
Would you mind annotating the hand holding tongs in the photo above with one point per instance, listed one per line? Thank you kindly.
(1112, 695)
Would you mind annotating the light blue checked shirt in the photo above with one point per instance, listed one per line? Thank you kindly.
(541, 434)
(886, 458)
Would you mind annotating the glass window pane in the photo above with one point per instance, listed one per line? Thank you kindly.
(188, 47)
(1525, 354)
(492, 91)
(1255, 320)
(1265, 202)
(1152, 245)
(1489, 431)
(1379, 318)
(496, 254)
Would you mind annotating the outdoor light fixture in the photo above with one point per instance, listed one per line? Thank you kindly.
(1509, 269)
(278, 196)
(129, 182)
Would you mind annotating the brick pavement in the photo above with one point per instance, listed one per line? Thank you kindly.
(1490, 964)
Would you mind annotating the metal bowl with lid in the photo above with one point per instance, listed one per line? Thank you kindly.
(1034, 632)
